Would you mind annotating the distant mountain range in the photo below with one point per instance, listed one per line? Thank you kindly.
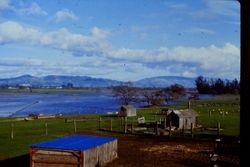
(85, 81)
(165, 81)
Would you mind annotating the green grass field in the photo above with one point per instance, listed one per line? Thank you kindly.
(25, 133)
(224, 109)
(28, 132)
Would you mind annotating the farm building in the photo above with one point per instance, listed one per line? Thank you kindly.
(74, 151)
(183, 118)
(127, 111)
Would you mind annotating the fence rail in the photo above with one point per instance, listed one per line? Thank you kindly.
(23, 133)
(155, 127)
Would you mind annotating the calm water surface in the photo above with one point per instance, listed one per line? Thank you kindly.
(24, 104)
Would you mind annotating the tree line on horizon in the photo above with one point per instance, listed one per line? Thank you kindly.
(127, 93)
(217, 86)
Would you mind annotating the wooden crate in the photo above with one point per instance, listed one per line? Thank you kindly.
(74, 151)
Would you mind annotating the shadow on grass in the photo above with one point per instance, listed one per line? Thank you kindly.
(20, 161)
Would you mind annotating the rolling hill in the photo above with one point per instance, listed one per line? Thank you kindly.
(85, 81)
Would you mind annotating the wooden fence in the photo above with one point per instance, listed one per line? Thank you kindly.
(154, 127)
(157, 127)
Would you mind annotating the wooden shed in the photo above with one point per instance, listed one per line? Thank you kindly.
(74, 151)
(183, 118)
(127, 111)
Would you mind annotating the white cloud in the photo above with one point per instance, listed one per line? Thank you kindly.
(4, 4)
(201, 31)
(89, 66)
(61, 39)
(214, 8)
(34, 9)
(215, 61)
(99, 33)
(226, 8)
(17, 62)
(16, 66)
(210, 61)
(64, 14)
(211, 58)
(13, 32)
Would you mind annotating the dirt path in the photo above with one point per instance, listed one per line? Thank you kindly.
(150, 151)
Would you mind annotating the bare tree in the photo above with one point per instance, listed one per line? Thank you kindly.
(175, 91)
(126, 93)
(152, 96)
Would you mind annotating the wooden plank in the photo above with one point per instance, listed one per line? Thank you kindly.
(53, 158)
(42, 157)
(55, 165)
(81, 159)
(56, 162)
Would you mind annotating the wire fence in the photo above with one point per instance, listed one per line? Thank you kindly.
(24, 132)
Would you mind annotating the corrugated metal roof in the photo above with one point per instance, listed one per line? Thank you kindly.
(75, 142)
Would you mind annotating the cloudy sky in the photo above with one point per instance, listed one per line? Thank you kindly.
(125, 40)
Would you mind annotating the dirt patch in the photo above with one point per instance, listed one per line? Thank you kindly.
(152, 151)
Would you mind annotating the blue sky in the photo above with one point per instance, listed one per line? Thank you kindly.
(125, 40)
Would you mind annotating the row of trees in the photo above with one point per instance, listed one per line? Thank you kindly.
(217, 86)
(127, 93)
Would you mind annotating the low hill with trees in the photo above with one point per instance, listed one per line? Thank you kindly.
(217, 86)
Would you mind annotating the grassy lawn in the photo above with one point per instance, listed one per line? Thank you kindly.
(224, 109)
(29, 132)
(33, 131)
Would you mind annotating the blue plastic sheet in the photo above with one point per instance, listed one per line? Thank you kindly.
(75, 142)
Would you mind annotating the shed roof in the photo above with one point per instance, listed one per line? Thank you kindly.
(186, 113)
(75, 142)
(127, 107)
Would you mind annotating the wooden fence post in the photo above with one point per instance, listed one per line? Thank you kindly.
(12, 131)
(192, 130)
(170, 127)
(46, 128)
(156, 128)
(75, 125)
(165, 123)
(183, 130)
(125, 125)
(100, 120)
(218, 129)
(121, 123)
(111, 124)
(132, 127)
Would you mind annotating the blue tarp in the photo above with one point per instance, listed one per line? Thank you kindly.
(75, 142)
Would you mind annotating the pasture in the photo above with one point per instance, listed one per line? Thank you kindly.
(16, 134)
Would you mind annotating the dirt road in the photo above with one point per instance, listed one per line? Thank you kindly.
(153, 151)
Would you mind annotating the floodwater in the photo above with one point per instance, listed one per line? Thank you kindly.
(21, 104)
(24, 104)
